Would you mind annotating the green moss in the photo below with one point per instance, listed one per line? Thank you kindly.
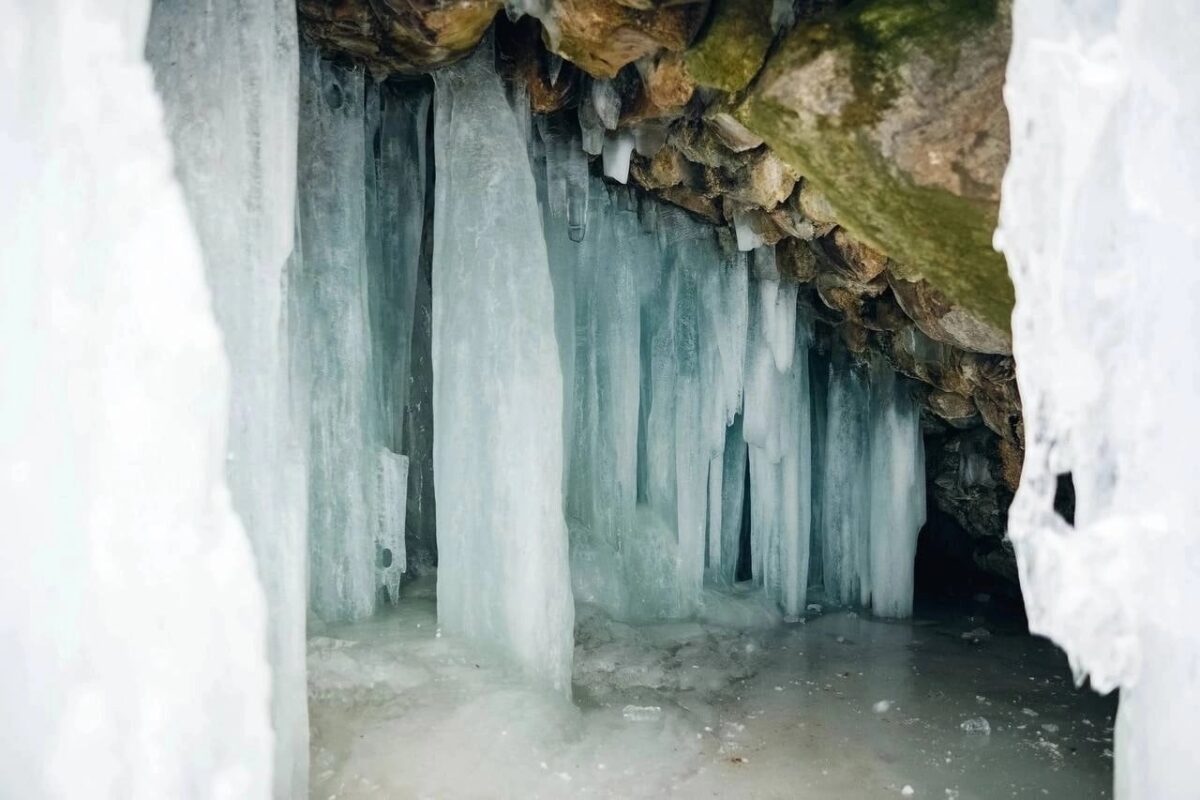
(729, 52)
(934, 234)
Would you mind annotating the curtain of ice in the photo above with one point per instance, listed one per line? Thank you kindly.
(360, 212)
(230, 95)
(498, 385)
(1099, 224)
(135, 650)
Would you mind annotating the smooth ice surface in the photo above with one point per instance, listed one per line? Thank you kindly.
(230, 97)
(706, 709)
(134, 654)
(498, 386)
(1099, 225)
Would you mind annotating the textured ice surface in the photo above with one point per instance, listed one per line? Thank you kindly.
(737, 708)
(352, 300)
(230, 96)
(1099, 225)
(498, 397)
(134, 653)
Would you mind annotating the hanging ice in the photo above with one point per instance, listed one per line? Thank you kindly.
(498, 447)
(333, 330)
(1098, 223)
(134, 647)
(897, 481)
(618, 148)
(229, 92)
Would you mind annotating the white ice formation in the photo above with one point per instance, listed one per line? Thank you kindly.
(230, 97)
(134, 650)
(1099, 225)
(497, 385)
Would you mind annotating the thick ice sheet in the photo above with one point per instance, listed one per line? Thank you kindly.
(498, 441)
(134, 650)
(1098, 223)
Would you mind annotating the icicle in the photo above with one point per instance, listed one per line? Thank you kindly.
(606, 102)
(846, 496)
(502, 540)
(392, 492)
(333, 329)
(747, 238)
(897, 477)
(590, 126)
(618, 147)
(649, 137)
(231, 111)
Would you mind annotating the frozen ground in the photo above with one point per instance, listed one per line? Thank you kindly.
(839, 707)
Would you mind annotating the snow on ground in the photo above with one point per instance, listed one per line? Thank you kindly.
(841, 706)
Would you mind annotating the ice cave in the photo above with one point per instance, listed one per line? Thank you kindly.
(599, 398)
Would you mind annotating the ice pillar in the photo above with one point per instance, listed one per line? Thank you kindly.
(1098, 223)
(227, 73)
(134, 650)
(498, 442)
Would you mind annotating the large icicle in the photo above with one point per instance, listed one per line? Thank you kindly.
(1099, 224)
(498, 444)
(332, 327)
(227, 73)
(897, 481)
(134, 646)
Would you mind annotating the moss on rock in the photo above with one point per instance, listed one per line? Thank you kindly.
(731, 49)
(893, 110)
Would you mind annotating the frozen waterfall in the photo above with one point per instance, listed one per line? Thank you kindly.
(1099, 224)
(135, 650)
(498, 385)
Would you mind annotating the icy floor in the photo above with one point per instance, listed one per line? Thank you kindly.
(839, 707)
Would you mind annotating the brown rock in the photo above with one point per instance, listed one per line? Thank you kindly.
(796, 260)
(397, 36)
(945, 322)
(1012, 459)
(523, 59)
(733, 134)
(955, 409)
(602, 36)
(852, 258)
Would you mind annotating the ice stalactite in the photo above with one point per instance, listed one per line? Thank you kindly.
(1098, 222)
(897, 481)
(777, 428)
(230, 97)
(503, 574)
(360, 199)
(135, 646)
(872, 492)
(333, 325)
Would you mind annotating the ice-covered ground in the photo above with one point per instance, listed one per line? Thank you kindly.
(841, 706)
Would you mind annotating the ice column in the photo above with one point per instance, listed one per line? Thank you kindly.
(777, 427)
(332, 327)
(897, 481)
(134, 650)
(229, 91)
(498, 445)
(845, 486)
(1098, 223)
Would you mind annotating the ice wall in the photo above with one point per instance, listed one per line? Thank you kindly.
(498, 398)
(360, 213)
(230, 96)
(134, 651)
(1099, 225)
